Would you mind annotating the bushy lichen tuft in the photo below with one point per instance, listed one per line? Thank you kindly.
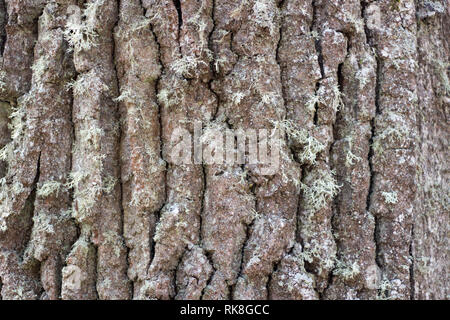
(80, 28)
(17, 127)
(323, 189)
(48, 188)
(185, 66)
(311, 147)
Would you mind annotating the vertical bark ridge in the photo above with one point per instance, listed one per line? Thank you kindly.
(299, 69)
(355, 275)
(143, 170)
(430, 263)
(224, 222)
(185, 98)
(22, 153)
(53, 230)
(5, 107)
(95, 170)
(393, 34)
(21, 35)
(316, 234)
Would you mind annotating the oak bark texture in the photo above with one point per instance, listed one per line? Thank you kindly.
(92, 206)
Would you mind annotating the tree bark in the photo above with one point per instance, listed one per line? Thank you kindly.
(93, 204)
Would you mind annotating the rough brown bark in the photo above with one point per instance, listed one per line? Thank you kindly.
(93, 204)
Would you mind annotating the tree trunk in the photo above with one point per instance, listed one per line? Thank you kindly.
(95, 204)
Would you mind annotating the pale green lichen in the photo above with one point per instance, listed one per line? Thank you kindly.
(171, 97)
(389, 134)
(319, 97)
(172, 222)
(346, 271)
(80, 29)
(350, 157)
(384, 290)
(142, 198)
(265, 13)
(43, 223)
(48, 188)
(85, 201)
(136, 107)
(17, 187)
(337, 101)
(164, 98)
(6, 153)
(313, 100)
(356, 21)
(313, 34)
(237, 12)
(390, 197)
(3, 76)
(218, 62)
(442, 69)
(125, 96)
(85, 83)
(323, 189)
(39, 67)
(254, 214)
(271, 98)
(79, 86)
(91, 136)
(112, 238)
(75, 177)
(196, 20)
(85, 196)
(311, 147)
(320, 250)
(237, 97)
(363, 76)
(186, 65)
(109, 184)
(423, 264)
(17, 127)
(136, 26)
(289, 173)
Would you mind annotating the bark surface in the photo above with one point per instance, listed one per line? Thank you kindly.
(94, 206)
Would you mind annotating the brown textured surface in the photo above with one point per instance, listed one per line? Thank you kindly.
(92, 206)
